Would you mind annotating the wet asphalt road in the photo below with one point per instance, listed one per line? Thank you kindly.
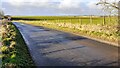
(55, 48)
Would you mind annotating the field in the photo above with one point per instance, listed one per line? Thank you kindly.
(100, 27)
(72, 19)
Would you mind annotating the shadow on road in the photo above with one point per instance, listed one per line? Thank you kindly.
(62, 50)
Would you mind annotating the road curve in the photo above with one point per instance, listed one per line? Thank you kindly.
(55, 48)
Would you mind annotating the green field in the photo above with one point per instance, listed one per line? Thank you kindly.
(101, 27)
(71, 19)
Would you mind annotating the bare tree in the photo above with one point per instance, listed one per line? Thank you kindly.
(110, 6)
(106, 3)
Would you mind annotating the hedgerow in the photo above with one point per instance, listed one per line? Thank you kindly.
(14, 50)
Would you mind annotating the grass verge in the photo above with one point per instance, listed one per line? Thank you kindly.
(14, 49)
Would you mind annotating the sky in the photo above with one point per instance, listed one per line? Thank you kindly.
(50, 7)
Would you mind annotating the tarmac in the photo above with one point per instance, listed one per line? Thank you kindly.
(50, 47)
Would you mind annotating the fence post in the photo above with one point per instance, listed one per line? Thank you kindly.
(80, 21)
(91, 19)
(109, 18)
(58, 21)
(71, 20)
(103, 20)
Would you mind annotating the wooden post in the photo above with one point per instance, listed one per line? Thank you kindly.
(71, 20)
(103, 20)
(58, 20)
(109, 18)
(80, 20)
(91, 19)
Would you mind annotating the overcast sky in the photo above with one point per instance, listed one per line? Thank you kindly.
(51, 7)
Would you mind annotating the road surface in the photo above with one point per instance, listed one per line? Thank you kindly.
(55, 48)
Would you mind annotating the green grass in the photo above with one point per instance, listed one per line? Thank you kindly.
(71, 19)
(15, 51)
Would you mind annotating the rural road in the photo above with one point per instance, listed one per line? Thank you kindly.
(55, 48)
